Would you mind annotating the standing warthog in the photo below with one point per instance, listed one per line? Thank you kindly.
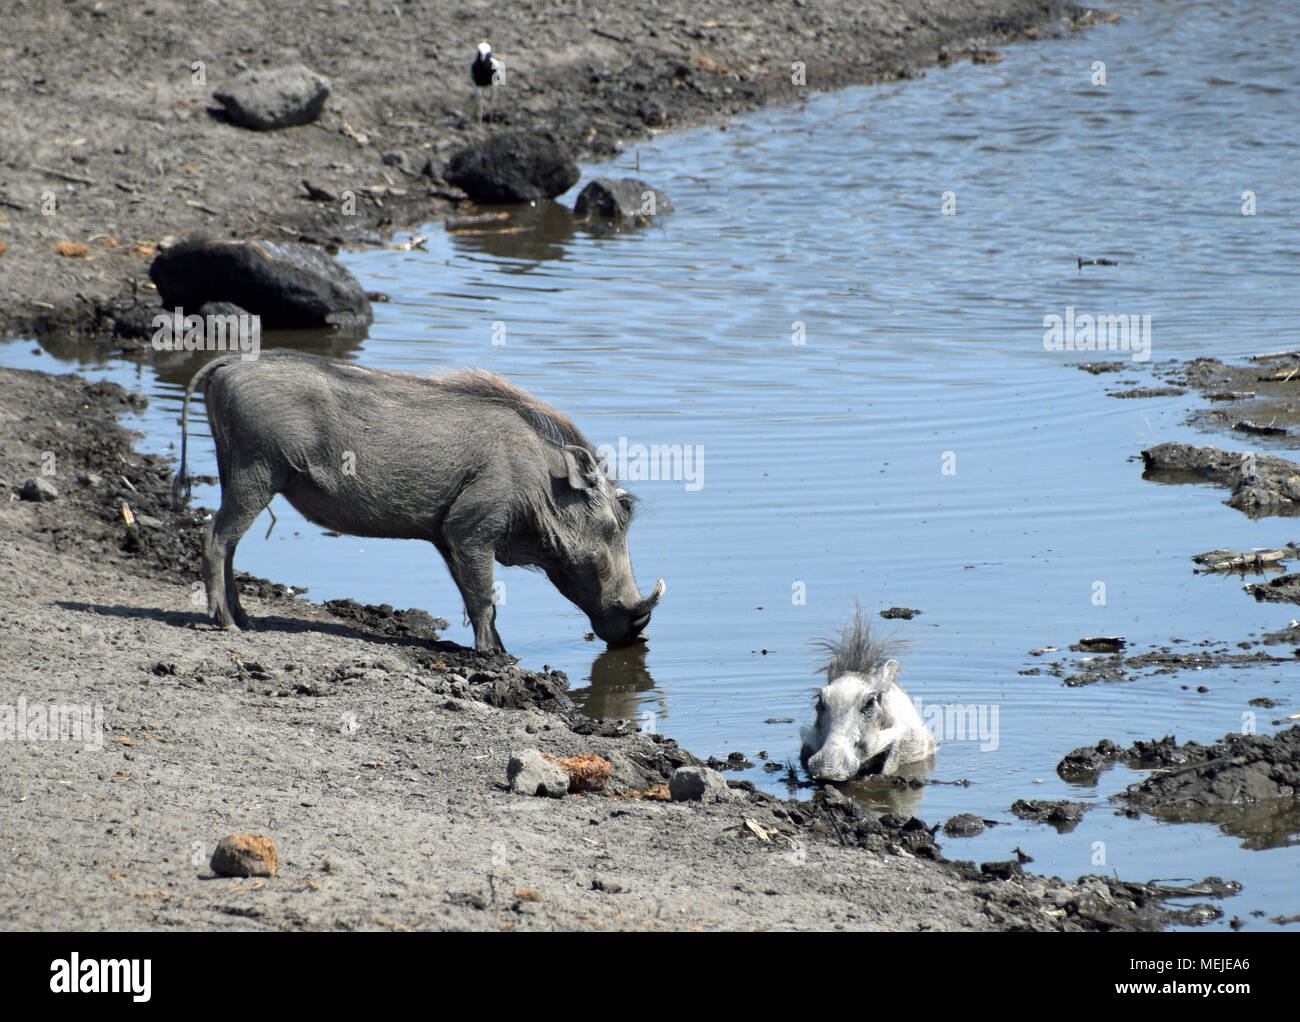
(467, 461)
(865, 722)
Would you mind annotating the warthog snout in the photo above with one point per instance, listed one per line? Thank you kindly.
(623, 626)
(836, 761)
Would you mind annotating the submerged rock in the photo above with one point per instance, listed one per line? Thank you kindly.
(1237, 769)
(1283, 589)
(964, 825)
(624, 200)
(1084, 764)
(288, 284)
(1064, 815)
(1261, 484)
(512, 167)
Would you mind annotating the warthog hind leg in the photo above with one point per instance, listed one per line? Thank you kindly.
(240, 506)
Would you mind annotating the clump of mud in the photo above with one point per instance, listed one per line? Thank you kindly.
(1063, 815)
(1116, 667)
(384, 620)
(1247, 784)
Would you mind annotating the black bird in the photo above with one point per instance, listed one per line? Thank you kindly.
(486, 71)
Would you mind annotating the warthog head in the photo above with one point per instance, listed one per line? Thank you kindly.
(585, 547)
(865, 722)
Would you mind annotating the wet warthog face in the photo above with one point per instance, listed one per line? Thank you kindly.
(865, 722)
(586, 553)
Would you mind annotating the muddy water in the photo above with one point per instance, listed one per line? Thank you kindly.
(862, 385)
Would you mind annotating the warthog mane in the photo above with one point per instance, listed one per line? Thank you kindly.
(545, 420)
(857, 650)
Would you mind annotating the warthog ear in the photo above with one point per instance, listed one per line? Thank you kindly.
(578, 466)
(887, 670)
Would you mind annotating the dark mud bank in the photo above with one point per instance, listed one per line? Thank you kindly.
(1247, 784)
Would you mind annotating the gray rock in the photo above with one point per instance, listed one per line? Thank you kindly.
(530, 773)
(512, 167)
(698, 783)
(832, 796)
(653, 113)
(38, 489)
(622, 200)
(281, 98)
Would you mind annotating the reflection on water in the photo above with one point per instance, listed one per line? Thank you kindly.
(899, 793)
(1273, 823)
(524, 237)
(177, 368)
(618, 684)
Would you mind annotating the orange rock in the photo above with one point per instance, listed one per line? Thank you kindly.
(72, 250)
(245, 855)
(586, 773)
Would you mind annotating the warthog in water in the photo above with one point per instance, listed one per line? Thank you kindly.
(865, 722)
(468, 461)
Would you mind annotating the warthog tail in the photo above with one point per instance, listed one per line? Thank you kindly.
(181, 483)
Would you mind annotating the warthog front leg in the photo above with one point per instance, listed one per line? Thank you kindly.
(895, 740)
(471, 570)
(468, 544)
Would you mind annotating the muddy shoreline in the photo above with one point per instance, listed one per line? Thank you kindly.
(115, 144)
